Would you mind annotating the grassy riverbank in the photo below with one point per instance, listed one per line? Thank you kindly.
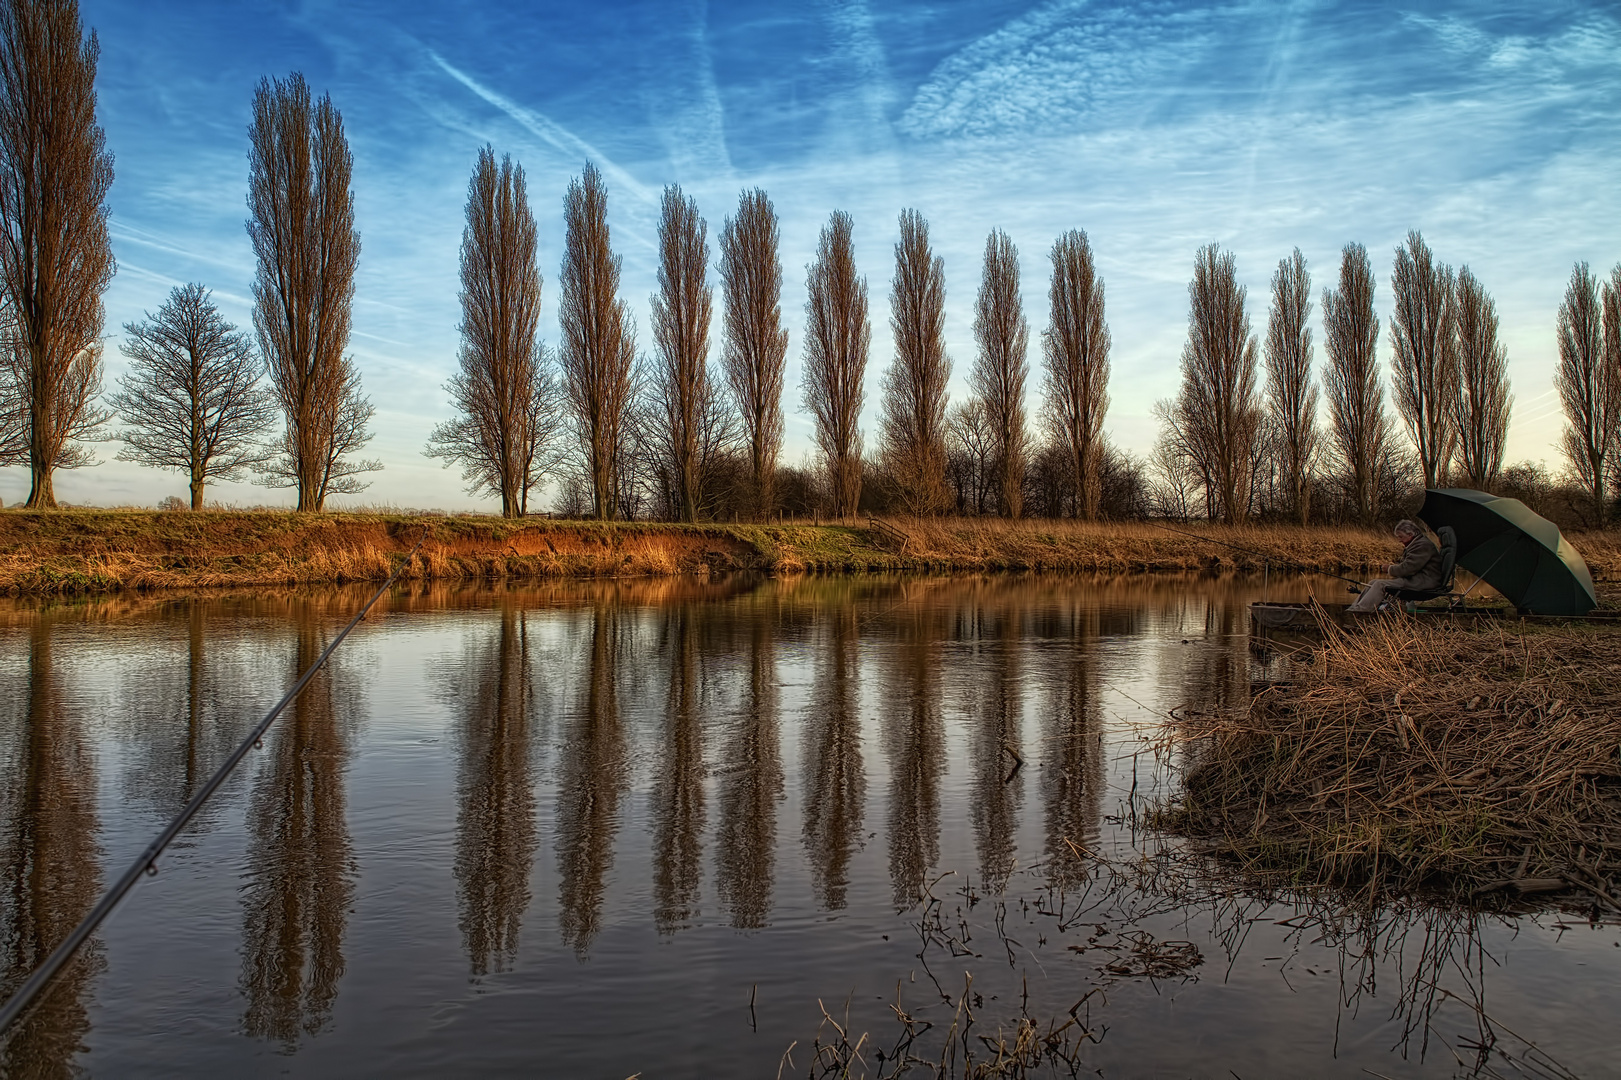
(108, 550)
(1409, 758)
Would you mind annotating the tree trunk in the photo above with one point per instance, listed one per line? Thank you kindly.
(197, 483)
(41, 496)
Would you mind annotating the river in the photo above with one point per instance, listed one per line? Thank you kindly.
(721, 828)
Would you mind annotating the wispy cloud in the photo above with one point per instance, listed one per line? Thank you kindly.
(684, 101)
(548, 131)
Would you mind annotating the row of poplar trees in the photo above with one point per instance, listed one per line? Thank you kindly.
(1449, 376)
(1224, 431)
(201, 396)
(610, 421)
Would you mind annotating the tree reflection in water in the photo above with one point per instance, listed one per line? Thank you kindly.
(301, 874)
(495, 819)
(50, 857)
(678, 792)
(996, 743)
(183, 728)
(914, 734)
(591, 778)
(835, 780)
(746, 842)
(1072, 776)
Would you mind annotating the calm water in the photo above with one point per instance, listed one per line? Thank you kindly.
(576, 830)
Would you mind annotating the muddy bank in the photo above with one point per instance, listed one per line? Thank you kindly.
(80, 551)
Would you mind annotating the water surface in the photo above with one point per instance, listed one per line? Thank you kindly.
(657, 827)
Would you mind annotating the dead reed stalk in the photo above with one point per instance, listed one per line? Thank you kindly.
(1420, 760)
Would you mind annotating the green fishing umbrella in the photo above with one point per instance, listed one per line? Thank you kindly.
(1520, 554)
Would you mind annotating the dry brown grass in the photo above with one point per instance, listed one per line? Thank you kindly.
(87, 550)
(1421, 759)
(1125, 547)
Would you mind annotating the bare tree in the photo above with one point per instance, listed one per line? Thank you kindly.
(55, 255)
(1358, 428)
(1610, 301)
(913, 426)
(1482, 407)
(837, 336)
(1002, 366)
(681, 314)
(504, 394)
(1076, 346)
(1589, 386)
(1183, 471)
(1218, 411)
(599, 341)
(971, 456)
(1290, 393)
(756, 345)
(712, 441)
(303, 233)
(1423, 334)
(192, 400)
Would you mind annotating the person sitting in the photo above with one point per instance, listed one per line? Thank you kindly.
(1419, 568)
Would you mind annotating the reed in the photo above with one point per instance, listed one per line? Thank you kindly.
(93, 550)
(1465, 763)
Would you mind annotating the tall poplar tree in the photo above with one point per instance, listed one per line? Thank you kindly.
(837, 337)
(302, 225)
(55, 255)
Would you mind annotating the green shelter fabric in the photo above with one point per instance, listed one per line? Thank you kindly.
(1519, 553)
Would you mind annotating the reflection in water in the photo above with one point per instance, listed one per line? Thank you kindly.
(835, 783)
(1072, 767)
(495, 820)
(750, 790)
(49, 852)
(591, 779)
(178, 729)
(301, 880)
(678, 793)
(915, 741)
(996, 749)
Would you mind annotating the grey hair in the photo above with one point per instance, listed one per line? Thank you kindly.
(1411, 528)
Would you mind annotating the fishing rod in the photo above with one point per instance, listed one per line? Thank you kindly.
(1251, 551)
(147, 861)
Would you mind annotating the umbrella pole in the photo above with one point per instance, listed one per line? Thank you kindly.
(1482, 577)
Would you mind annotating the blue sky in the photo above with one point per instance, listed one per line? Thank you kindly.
(1155, 127)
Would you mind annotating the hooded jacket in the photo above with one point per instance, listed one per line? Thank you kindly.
(1420, 565)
